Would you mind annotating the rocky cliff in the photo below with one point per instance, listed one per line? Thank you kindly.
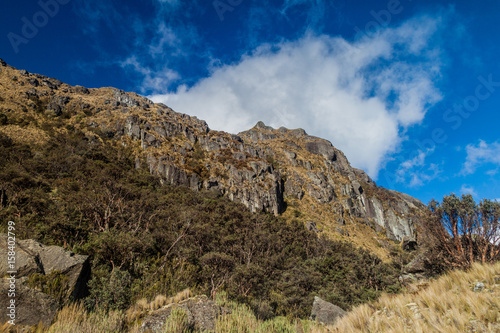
(283, 171)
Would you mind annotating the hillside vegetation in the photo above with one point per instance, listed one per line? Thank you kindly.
(456, 302)
(145, 238)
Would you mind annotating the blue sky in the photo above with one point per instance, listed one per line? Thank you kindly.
(409, 90)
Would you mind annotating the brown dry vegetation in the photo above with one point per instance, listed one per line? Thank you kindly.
(447, 304)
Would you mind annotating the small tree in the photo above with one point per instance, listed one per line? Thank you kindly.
(465, 231)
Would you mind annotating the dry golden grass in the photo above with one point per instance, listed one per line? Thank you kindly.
(74, 318)
(29, 135)
(448, 304)
(142, 306)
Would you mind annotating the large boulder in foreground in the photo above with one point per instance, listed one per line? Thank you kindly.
(201, 312)
(325, 312)
(46, 278)
(32, 306)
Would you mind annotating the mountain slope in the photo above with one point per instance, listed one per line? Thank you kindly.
(285, 172)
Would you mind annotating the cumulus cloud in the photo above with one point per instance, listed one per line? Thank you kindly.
(360, 95)
(480, 154)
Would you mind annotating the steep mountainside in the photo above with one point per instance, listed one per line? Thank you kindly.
(282, 171)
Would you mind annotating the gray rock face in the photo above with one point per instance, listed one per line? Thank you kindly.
(32, 306)
(397, 219)
(125, 98)
(32, 257)
(321, 147)
(325, 312)
(201, 315)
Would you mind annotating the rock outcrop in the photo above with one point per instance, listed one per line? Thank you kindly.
(263, 168)
(36, 262)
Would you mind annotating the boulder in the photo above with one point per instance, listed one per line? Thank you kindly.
(32, 306)
(201, 312)
(325, 312)
(53, 258)
(75, 266)
(81, 90)
(34, 82)
(321, 147)
(32, 257)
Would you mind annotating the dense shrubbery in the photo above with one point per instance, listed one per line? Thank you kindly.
(146, 239)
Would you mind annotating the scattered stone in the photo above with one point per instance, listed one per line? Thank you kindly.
(325, 312)
(24, 72)
(52, 83)
(3, 63)
(34, 82)
(239, 156)
(479, 287)
(81, 90)
(311, 226)
(56, 105)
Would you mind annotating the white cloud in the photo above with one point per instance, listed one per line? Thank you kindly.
(359, 95)
(415, 173)
(151, 80)
(468, 189)
(482, 153)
